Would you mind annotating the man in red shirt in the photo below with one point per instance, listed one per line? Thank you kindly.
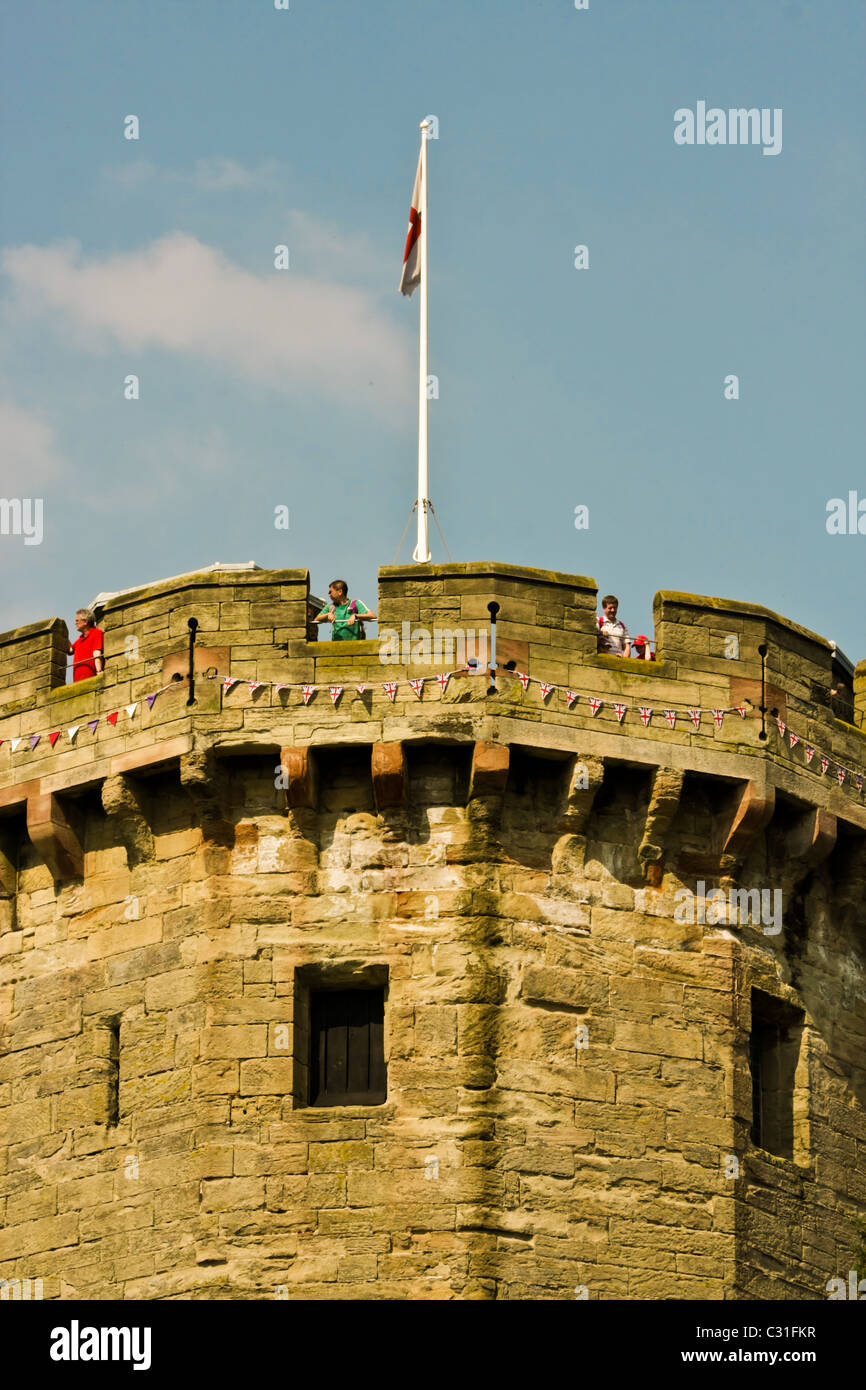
(86, 652)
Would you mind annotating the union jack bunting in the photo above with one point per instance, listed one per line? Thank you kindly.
(443, 679)
(782, 727)
(841, 773)
(695, 717)
(671, 717)
(741, 710)
(825, 763)
(594, 704)
(809, 751)
(858, 781)
(390, 689)
(254, 685)
(308, 691)
(718, 716)
(620, 711)
(646, 714)
(524, 680)
(795, 738)
(282, 686)
(360, 689)
(417, 685)
(230, 681)
(545, 689)
(570, 698)
(335, 692)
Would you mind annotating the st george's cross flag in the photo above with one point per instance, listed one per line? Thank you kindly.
(411, 275)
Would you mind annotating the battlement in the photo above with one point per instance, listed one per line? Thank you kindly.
(252, 626)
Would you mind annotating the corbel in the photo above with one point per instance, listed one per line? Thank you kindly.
(664, 803)
(204, 781)
(123, 803)
(585, 777)
(388, 764)
(54, 837)
(751, 812)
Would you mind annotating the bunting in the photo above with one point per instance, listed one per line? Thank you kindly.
(695, 717)
(390, 689)
(335, 691)
(646, 715)
(570, 698)
(417, 685)
(619, 710)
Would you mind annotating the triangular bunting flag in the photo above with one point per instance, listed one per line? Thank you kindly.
(545, 689)
(254, 685)
(809, 751)
(443, 679)
(841, 773)
(34, 739)
(390, 689)
(825, 763)
(594, 704)
(671, 717)
(112, 718)
(130, 709)
(72, 731)
(718, 716)
(524, 680)
(741, 710)
(695, 717)
(91, 724)
(360, 689)
(781, 727)
(335, 691)
(620, 711)
(417, 685)
(229, 682)
(646, 715)
(52, 738)
(150, 699)
(570, 698)
(858, 781)
(795, 738)
(13, 743)
(308, 691)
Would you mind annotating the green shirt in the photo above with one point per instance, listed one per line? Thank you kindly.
(341, 631)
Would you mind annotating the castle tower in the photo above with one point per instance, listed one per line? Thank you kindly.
(460, 994)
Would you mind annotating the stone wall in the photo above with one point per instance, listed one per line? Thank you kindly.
(569, 1093)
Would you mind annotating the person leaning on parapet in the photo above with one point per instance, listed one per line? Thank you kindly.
(345, 614)
(613, 636)
(87, 651)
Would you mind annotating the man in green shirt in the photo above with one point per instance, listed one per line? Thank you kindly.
(344, 613)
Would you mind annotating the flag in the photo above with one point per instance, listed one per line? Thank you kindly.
(92, 723)
(13, 743)
(72, 731)
(411, 275)
(594, 704)
(795, 738)
(825, 763)
(671, 717)
(52, 738)
(620, 711)
(307, 691)
(570, 698)
(335, 692)
(417, 685)
(646, 714)
(34, 739)
(524, 680)
(229, 682)
(112, 718)
(545, 689)
(695, 717)
(782, 727)
(741, 710)
(443, 679)
(150, 699)
(390, 689)
(858, 781)
(360, 689)
(130, 709)
(718, 716)
(841, 773)
(254, 685)
(810, 752)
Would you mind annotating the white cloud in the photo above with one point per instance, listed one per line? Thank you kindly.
(216, 174)
(281, 329)
(31, 458)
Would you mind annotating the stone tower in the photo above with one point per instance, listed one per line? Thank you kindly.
(460, 994)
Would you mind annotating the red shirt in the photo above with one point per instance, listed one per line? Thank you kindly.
(83, 652)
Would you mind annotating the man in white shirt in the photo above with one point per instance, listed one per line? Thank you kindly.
(612, 635)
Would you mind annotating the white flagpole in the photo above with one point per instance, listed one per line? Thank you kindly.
(421, 554)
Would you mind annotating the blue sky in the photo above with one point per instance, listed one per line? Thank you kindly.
(558, 387)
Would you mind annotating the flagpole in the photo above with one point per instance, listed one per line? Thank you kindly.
(421, 554)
